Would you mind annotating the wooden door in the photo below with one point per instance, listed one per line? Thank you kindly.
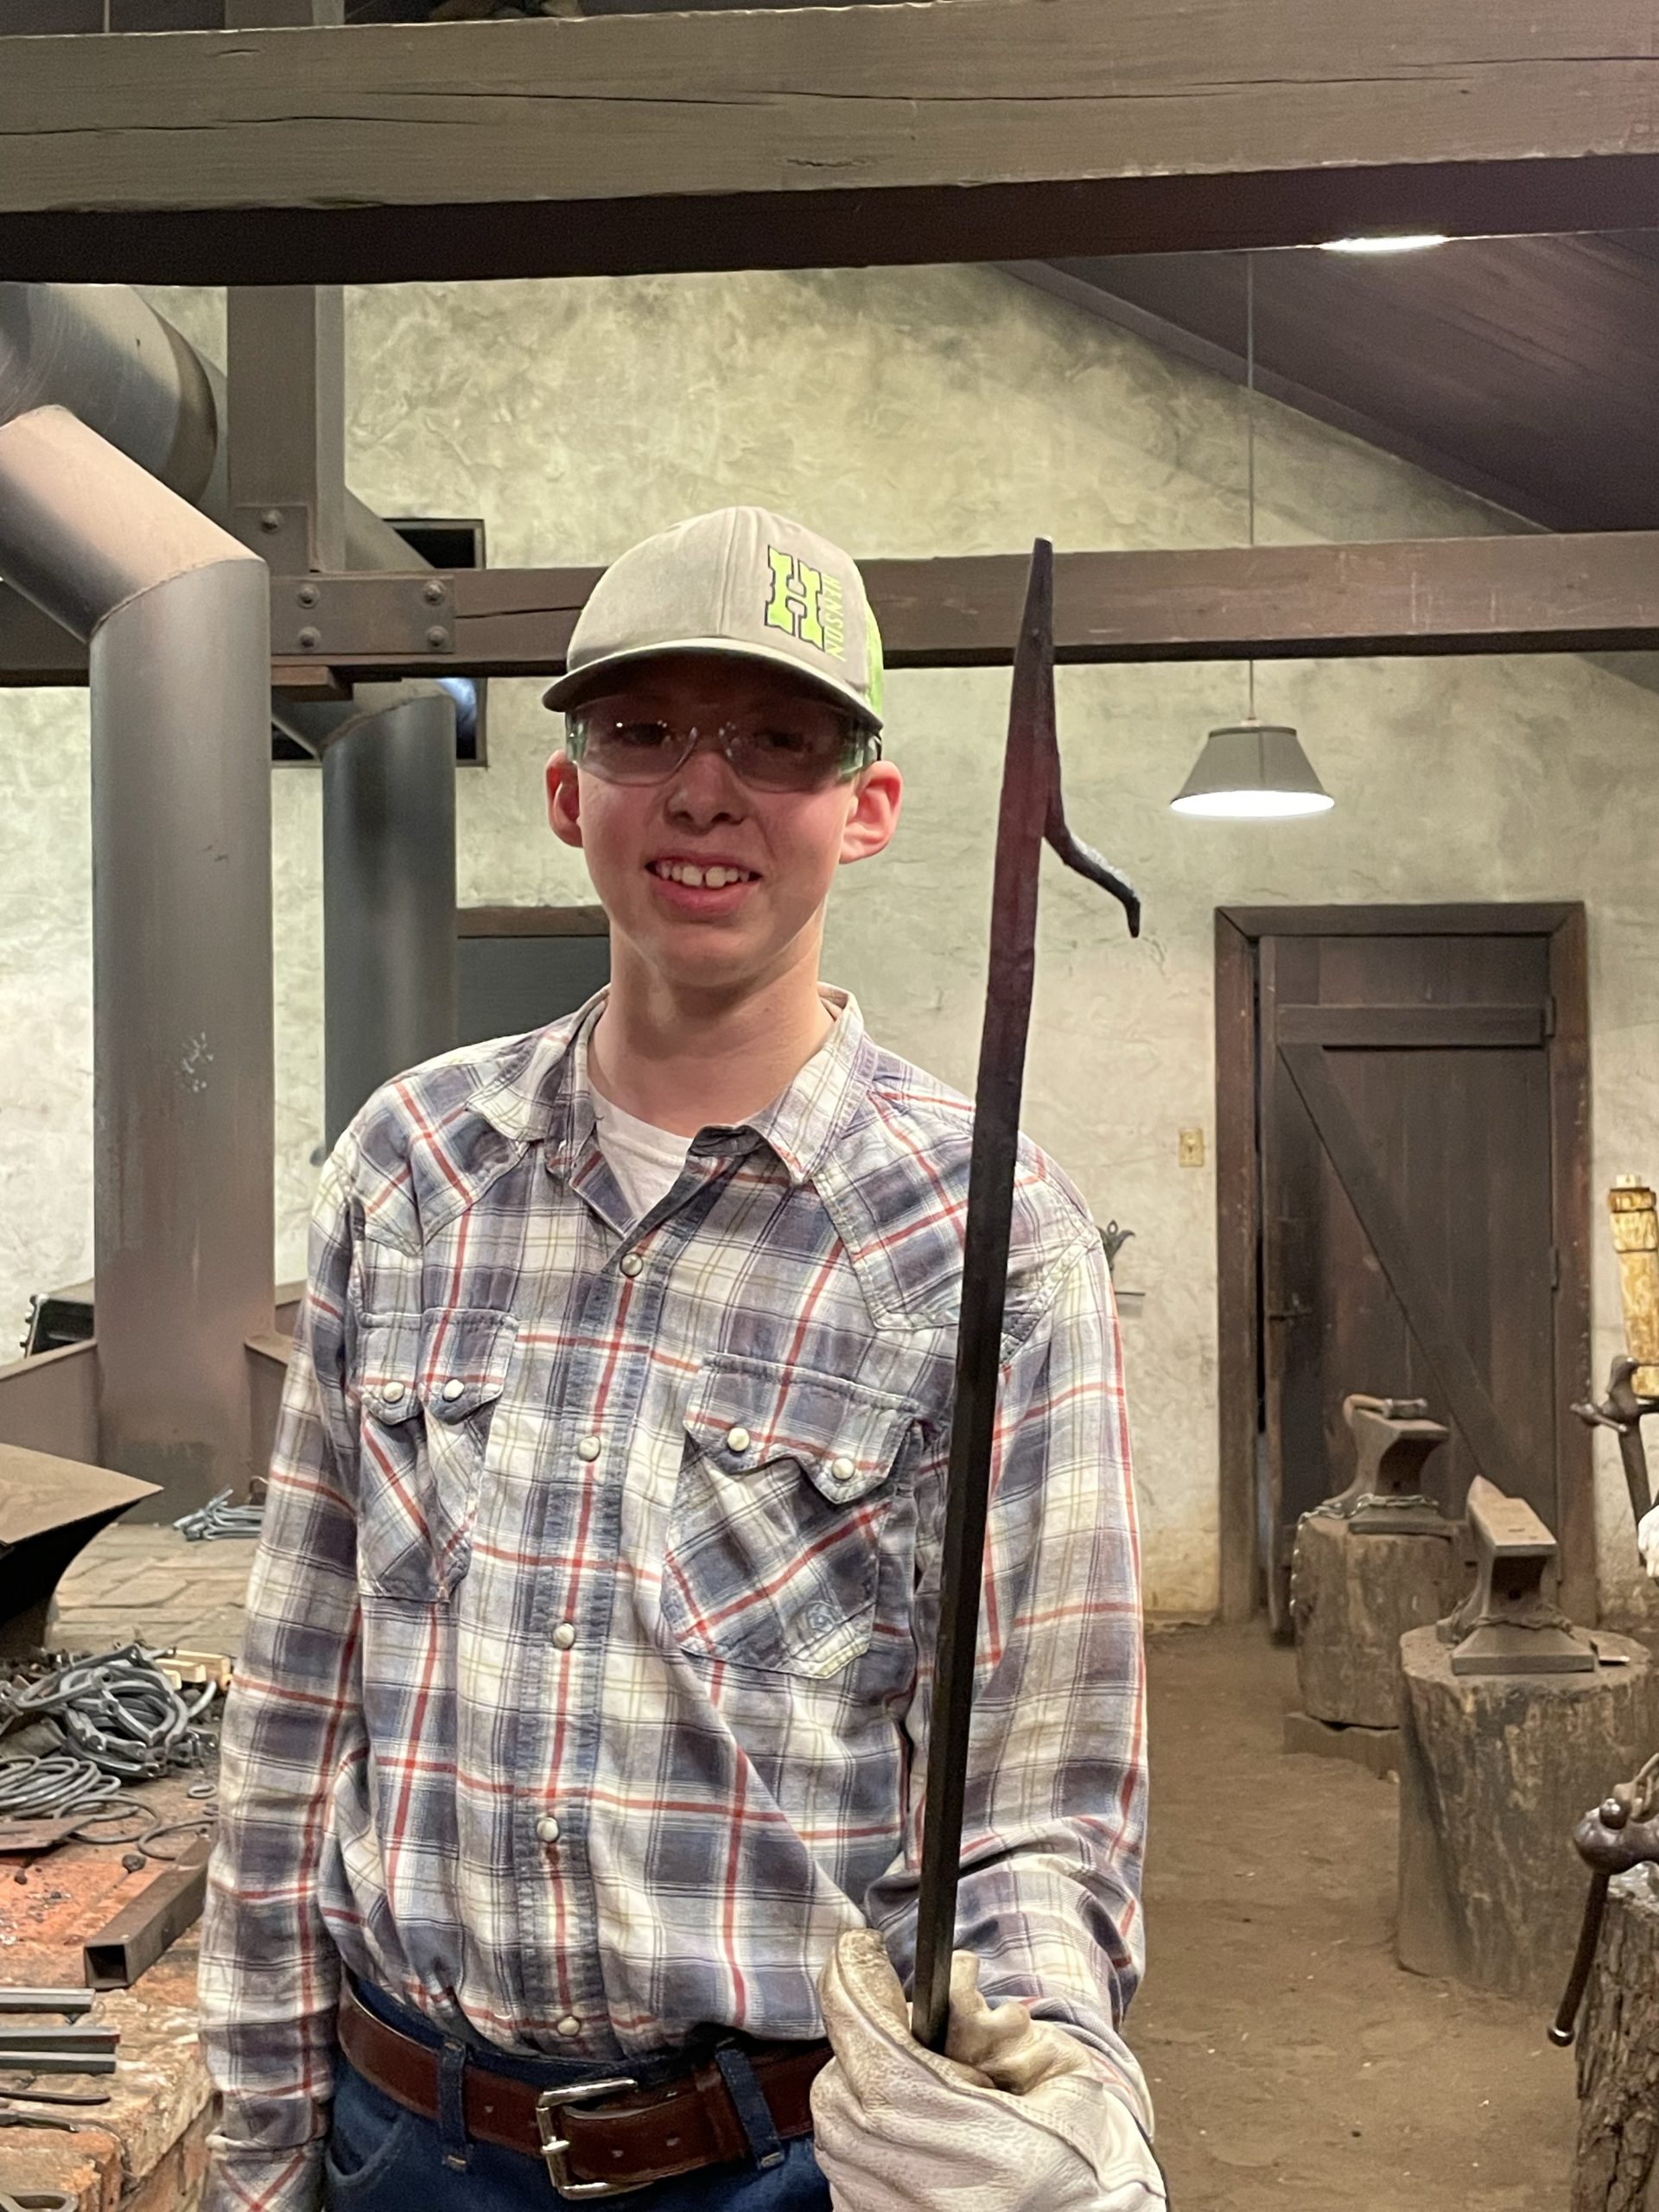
(1415, 1190)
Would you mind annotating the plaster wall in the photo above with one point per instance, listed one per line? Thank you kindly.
(922, 411)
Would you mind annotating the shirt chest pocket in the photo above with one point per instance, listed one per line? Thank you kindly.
(429, 1387)
(774, 1556)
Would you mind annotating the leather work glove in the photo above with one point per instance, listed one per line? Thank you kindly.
(1013, 2120)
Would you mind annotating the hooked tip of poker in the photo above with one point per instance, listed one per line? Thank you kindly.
(702, 875)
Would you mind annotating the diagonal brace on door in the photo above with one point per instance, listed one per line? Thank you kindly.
(1464, 1395)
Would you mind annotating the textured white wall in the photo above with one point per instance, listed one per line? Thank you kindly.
(918, 411)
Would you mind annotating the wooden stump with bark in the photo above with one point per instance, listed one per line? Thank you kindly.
(1495, 1771)
(1616, 2168)
(1352, 1598)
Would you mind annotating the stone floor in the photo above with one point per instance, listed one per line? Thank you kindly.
(150, 1584)
(1294, 2066)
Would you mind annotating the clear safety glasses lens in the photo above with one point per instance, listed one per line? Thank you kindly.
(806, 754)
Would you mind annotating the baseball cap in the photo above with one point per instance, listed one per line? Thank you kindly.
(742, 581)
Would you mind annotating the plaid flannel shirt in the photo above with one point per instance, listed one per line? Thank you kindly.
(585, 1693)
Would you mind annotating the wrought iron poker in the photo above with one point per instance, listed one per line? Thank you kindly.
(1031, 814)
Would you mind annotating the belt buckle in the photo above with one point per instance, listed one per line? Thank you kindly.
(556, 2148)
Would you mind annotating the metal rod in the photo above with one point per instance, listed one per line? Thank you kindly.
(73, 2001)
(57, 2062)
(1564, 2026)
(1030, 812)
(388, 893)
(1633, 1456)
(75, 2038)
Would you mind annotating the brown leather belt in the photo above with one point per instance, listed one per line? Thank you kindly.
(627, 2140)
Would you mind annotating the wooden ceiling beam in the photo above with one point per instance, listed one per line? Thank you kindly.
(1594, 593)
(981, 129)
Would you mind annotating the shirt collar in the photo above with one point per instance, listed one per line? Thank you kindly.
(803, 1122)
(541, 1092)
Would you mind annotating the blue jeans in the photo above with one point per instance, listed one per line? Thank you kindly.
(382, 2157)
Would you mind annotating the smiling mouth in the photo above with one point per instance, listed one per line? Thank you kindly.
(695, 878)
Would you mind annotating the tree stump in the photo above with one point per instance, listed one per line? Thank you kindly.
(1352, 1598)
(1616, 2168)
(1495, 1771)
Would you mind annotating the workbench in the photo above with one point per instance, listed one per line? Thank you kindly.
(146, 2150)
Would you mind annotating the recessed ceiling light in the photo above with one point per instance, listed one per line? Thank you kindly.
(1404, 242)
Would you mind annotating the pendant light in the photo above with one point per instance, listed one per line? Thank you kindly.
(1251, 771)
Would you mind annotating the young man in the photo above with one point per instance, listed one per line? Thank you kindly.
(579, 1730)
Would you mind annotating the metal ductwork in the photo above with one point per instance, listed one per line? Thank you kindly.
(101, 351)
(177, 615)
(125, 372)
(113, 487)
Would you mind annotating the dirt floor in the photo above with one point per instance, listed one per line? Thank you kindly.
(1293, 2064)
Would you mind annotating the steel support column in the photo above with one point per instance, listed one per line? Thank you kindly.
(178, 616)
(285, 373)
(388, 891)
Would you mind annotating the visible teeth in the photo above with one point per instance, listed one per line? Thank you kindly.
(711, 878)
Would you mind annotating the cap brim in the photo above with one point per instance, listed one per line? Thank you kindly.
(579, 684)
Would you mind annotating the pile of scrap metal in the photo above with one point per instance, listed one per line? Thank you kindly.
(221, 1516)
(75, 1733)
(83, 1742)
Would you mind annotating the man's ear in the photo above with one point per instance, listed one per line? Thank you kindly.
(874, 813)
(564, 799)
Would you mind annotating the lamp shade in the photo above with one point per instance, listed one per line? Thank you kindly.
(1252, 770)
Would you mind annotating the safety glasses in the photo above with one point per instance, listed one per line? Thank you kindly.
(804, 746)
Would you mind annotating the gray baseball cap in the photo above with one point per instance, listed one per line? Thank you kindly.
(743, 582)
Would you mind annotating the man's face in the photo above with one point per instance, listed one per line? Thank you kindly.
(775, 853)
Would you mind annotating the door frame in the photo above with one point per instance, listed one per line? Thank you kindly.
(1238, 931)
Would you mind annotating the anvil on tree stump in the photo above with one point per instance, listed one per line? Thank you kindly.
(1377, 1559)
(1511, 1722)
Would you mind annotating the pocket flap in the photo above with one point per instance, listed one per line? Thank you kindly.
(447, 1364)
(744, 1415)
(465, 1354)
(391, 1354)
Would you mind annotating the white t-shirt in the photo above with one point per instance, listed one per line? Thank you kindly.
(644, 1160)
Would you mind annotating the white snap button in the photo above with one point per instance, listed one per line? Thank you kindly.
(392, 1392)
(547, 1829)
(841, 1468)
(737, 1439)
(564, 1636)
(589, 1448)
(570, 2025)
(632, 1265)
(453, 1388)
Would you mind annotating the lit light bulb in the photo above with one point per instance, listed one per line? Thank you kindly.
(1402, 242)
